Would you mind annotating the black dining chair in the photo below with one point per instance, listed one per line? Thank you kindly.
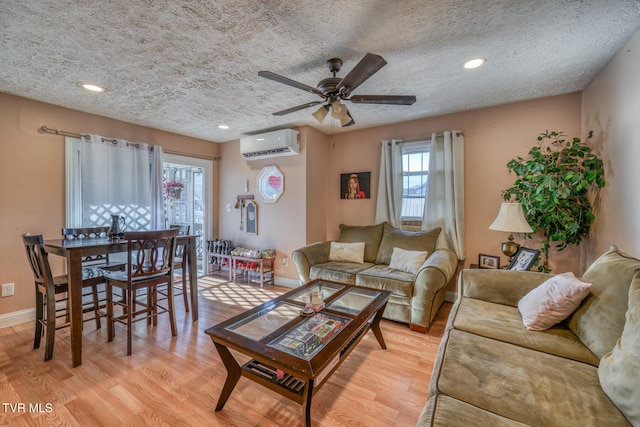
(52, 293)
(150, 263)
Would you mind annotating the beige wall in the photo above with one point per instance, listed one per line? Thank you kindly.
(493, 136)
(611, 107)
(32, 175)
(281, 225)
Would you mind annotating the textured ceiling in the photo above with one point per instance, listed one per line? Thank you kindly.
(187, 66)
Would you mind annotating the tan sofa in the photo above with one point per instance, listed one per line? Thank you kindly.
(491, 371)
(415, 298)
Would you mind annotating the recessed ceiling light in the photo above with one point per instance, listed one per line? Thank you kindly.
(223, 127)
(474, 63)
(91, 87)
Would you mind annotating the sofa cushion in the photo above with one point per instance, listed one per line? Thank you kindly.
(552, 301)
(524, 385)
(619, 370)
(407, 261)
(598, 322)
(338, 271)
(348, 252)
(383, 277)
(371, 235)
(445, 411)
(503, 323)
(408, 240)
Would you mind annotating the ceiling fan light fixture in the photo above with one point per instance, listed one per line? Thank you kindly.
(321, 113)
(338, 110)
(347, 120)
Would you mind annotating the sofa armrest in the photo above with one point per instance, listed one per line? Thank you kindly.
(308, 256)
(505, 287)
(428, 289)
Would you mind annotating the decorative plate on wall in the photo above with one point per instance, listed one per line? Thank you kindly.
(270, 184)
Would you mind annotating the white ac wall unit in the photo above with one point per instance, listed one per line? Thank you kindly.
(283, 142)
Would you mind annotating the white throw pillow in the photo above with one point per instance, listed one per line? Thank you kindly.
(553, 301)
(407, 261)
(347, 252)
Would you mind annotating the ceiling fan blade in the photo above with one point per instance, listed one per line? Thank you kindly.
(299, 107)
(367, 67)
(287, 81)
(383, 99)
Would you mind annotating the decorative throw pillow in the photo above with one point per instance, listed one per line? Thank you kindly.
(619, 370)
(407, 261)
(552, 301)
(347, 252)
(405, 239)
(598, 322)
(369, 234)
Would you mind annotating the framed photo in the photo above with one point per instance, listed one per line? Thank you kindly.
(488, 261)
(355, 185)
(252, 217)
(524, 259)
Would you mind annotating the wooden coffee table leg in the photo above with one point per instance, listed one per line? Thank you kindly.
(233, 374)
(375, 327)
(306, 402)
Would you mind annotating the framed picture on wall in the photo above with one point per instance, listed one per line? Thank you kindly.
(355, 185)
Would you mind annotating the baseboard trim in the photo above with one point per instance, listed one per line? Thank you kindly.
(286, 282)
(17, 317)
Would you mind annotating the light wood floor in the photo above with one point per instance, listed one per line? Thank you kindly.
(177, 381)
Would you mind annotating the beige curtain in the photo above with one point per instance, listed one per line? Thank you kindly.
(389, 202)
(444, 206)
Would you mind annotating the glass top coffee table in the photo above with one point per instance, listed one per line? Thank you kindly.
(294, 354)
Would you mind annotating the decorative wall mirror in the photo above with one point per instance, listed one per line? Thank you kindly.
(270, 184)
(252, 217)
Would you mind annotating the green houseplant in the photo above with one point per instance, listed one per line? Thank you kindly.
(554, 183)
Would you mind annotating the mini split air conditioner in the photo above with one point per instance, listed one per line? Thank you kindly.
(283, 142)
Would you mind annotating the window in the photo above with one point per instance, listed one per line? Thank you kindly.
(102, 181)
(415, 178)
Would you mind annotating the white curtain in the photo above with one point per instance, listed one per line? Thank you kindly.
(115, 180)
(444, 206)
(389, 202)
(157, 198)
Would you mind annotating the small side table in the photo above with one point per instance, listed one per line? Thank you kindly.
(263, 262)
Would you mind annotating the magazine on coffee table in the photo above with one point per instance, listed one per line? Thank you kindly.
(310, 336)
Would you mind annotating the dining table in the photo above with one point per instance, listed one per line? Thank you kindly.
(76, 250)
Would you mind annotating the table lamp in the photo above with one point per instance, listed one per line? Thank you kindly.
(511, 219)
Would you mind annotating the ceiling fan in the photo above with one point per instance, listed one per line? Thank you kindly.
(335, 89)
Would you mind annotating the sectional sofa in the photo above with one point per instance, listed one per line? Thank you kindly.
(584, 371)
(380, 256)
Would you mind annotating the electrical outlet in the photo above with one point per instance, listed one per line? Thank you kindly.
(285, 262)
(7, 289)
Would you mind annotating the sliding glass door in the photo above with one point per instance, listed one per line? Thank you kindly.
(187, 197)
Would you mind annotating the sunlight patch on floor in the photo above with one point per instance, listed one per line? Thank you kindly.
(242, 295)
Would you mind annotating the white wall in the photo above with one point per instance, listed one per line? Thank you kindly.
(611, 107)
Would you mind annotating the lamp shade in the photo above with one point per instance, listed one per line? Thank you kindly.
(338, 110)
(321, 113)
(511, 219)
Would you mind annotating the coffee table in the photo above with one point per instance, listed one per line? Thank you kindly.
(292, 354)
